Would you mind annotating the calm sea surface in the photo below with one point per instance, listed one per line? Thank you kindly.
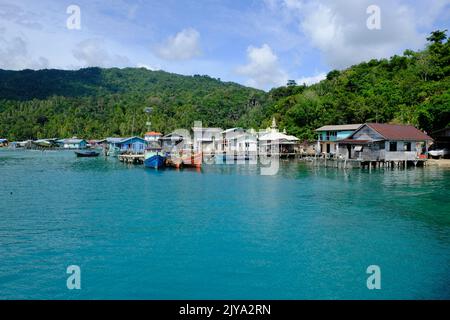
(223, 233)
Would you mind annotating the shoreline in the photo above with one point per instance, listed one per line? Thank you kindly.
(441, 163)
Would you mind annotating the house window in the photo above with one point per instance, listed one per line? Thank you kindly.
(407, 146)
(331, 135)
(382, 146)
(393, 146)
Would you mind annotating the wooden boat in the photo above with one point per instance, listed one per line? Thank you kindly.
(192, 160)
(154, 159)
(174, 162)
(87, 154)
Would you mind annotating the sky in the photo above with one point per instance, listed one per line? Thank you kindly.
(258, 43)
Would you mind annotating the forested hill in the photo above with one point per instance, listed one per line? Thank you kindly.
(413, 88)
(94, 102)
(410, 89)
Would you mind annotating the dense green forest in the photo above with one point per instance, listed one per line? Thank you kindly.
(410, 89)
(93, 103)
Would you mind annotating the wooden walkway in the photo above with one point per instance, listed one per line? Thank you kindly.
(132, 158)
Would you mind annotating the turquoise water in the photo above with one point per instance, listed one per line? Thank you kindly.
(223, 233)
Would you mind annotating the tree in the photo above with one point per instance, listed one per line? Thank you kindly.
(333, 74)
(291, 83)
(437, 36)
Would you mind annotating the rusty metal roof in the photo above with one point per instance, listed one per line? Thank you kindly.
(399, 132)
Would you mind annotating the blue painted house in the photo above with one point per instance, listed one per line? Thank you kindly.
(133, 144)
(121, 145)
(328, 137)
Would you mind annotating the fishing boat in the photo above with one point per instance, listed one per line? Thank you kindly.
(154, 160)
(87, 154)
(174, 161)
(192, 160)
(154, 157)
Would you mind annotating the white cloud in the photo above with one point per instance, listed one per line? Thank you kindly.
(92, 53)
(312, 80)
(185, 45)
(263, 69)
(430, 11)
(338, 27)
(293, 4)
(14, 13)
(14, 55)
(148, 67)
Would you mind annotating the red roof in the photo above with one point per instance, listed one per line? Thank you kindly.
(399, 132)
(153, 133)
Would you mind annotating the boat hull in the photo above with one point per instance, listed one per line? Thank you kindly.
(193, 161)
(155, 162)
(87, 154)
(174, 162)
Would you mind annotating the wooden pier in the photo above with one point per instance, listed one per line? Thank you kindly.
(364, 164)
(132, 158)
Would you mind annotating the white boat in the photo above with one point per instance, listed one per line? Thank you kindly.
(439, 153)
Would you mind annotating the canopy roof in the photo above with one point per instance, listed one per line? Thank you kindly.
(344, 127)
(277, 136)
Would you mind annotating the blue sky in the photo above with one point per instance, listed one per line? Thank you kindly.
(260, 43)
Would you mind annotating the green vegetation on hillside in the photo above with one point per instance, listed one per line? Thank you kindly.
(413, 88)
(93, 103)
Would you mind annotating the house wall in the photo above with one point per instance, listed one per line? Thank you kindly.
(333, 147)
(375, 152)
(81, 145)
(214, 140)
(339, 135)
(211, 146)
(134, 145)
(365, 132)
(281, 148)
(344, 134)
(252, 147)
(169, 144)
(152, 138)
(239, 145)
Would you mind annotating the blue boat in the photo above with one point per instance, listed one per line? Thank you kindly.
(154, 160)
